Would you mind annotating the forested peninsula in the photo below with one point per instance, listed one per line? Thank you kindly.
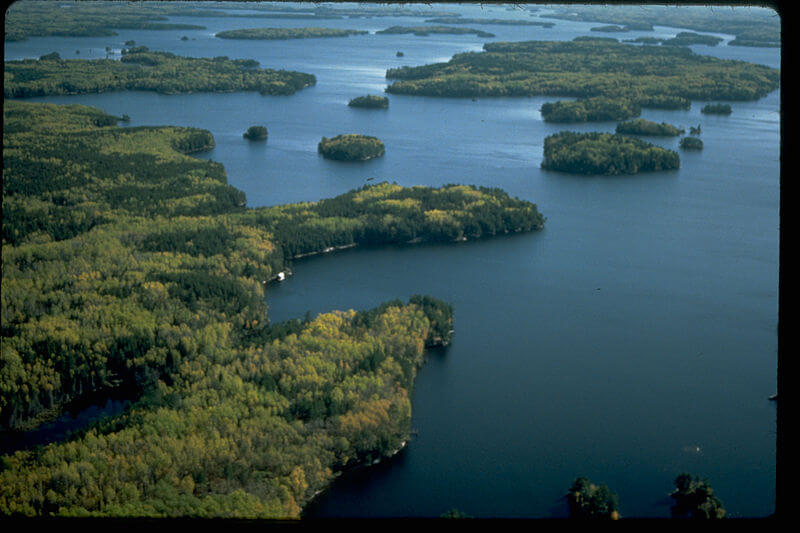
(286, 33)
(632, 76)
(129, 265)
(604, 153)
(145, 70)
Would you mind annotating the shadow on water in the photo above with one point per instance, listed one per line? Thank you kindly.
(79, 415)
(355, 479)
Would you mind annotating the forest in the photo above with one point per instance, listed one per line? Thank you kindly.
(256, 133)
(716, 109)
(144, 70)
(100, 19)
(128, 264)
(598, 109)
(644, 76)
(646, 127)
(498, 22)
(685, 38)
(351, 147)
(604, 153)
(423, 31)
(765, 30)
(370, 101)
(691, 143)
(83, 19)
(286, 33)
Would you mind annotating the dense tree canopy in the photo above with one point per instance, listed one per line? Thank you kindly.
(494, 22)
(691, 143)
(685, 38)
(286, 33)
(646, 127)
(589, 501)
(750, 28)
(83, 19)
(604, 153)
(370, 101)
(599, 109)
(256, 133)
(633, 76)
(145, 70)
(351, 147)
(694, 498)
(716, 109)
(422, 31)
(129, 265)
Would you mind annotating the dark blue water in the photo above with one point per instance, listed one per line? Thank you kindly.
(632, 339)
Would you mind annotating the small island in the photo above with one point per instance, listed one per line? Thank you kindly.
(370, 101)
(641, 126)
(351, 147)
(597, 109)
(611, 28)
(685, 38)
(496, 22)
(691, 143)
(424, 31)
(286, 33)
(256, 133)
(716, 109)
(605, 153)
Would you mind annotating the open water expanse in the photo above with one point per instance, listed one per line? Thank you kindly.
(633, 339)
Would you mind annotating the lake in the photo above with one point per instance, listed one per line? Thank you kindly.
(633, 339)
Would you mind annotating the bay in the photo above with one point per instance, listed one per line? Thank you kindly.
(632, 339)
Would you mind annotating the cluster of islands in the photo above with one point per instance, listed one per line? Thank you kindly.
(129, 265)
(612, 82)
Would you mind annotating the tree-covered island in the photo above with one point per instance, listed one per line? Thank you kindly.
(641, 126)
(716, 109)
(691, 143)
(751, 28)
(286, 33)
(632, 76)
(686, 38)
(351, 147)
(611, 28)
(496, 22)
(370, 101)
(128, 265)
(604, 153)
(145, 70)
(256, 133)
(598, 109)
(589, 501)
(423, 31)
